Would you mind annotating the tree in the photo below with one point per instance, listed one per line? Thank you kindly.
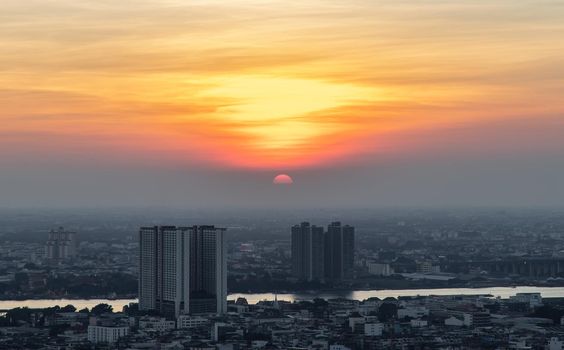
(131, 309)
(387, 311)
(57, 329)
(68, 308)
(18, 314)
(102, 309)
(548, 311)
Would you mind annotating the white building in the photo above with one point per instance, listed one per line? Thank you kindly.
(187, 321)
(103, 334)
(183, 270)
(373, 329)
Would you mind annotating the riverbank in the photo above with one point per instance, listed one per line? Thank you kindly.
(385, 285)
(253, 298)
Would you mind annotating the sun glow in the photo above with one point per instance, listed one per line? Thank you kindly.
(274, 112)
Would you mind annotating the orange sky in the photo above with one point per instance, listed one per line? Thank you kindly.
(269, 84)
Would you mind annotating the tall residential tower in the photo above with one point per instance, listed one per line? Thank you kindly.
(307, 252)
(322, 256)
(183, 270)
(339, 251)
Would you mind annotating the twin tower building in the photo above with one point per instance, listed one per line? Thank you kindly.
(183, 270)
(319, 255)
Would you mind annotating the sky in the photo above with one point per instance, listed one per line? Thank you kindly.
(365, 103)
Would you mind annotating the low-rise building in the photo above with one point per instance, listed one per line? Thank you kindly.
(187, 321)
(373, 329)
(157, 324)
(106, 334)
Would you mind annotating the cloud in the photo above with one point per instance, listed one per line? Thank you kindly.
(178, 80)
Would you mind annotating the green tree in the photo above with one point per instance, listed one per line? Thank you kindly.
(68, 308)
(102, 309)
(387, 311)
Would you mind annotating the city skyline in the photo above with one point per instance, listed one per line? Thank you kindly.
(386, 103)
(356, 174)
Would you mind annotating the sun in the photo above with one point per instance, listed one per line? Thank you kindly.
(283, 179)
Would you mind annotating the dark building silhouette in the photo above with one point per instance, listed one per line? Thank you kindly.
(339, 251)
(182, 270)
(319, 255)
(307, 252)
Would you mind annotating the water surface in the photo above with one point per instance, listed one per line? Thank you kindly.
(253, 298)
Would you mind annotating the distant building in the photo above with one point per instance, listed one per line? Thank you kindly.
(60, 245)
(307, 252)
(427, 266)
(183, 270)
(339, 251)
(380, 269)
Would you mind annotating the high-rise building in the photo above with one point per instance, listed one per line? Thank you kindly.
(183, 270)
(307, 252)
(339, 251)
(60, 245)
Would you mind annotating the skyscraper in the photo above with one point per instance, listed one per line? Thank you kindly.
(307, 252)
(182, 270)
(339, 251)
(208, 270)
(60, 245)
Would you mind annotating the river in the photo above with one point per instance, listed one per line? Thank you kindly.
(503, 292)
